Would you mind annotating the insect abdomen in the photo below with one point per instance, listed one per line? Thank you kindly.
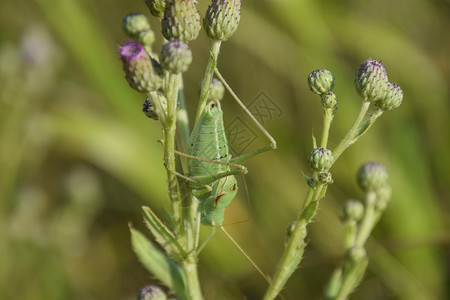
(208, 140)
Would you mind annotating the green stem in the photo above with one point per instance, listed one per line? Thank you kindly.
(293, 252)
(185, 220)
(169, 151)
(352, 277)
(289, 261)
(368, 221)
(182, 119)
(349, 137)
(214, 54)
(294, 249)
(327, 119)
(189, 266)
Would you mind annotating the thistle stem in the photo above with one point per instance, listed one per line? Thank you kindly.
(327, 119)
(169, 151)
(368, 221)
(349, 137)
(182, 119)
(189, 266)
(212, 63)
(295, 247)
(185, 221)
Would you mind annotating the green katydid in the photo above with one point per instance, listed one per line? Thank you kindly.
(210, 161)
(210, 175)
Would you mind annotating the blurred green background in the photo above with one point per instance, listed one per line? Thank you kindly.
(78, 158)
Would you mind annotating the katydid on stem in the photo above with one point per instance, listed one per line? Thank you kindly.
(211, 167)
(210, 160)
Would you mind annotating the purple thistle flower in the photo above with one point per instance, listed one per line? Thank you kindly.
(143, 73)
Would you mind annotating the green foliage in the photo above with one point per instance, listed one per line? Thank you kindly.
(165, 269)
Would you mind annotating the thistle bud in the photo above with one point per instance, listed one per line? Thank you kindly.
(384, 194)
(222, 19)
(372, 176)
(329, 100)
(143, 73)
(371, 80)
(320, 159)
(321, 81)
(353, 210)
(151, 292)
(181, 20)
(392, 99)
(325, 178)
(356, 253)
(137, 26)
(175, 56)
(156, 7)
(149, 110)
(216, 90)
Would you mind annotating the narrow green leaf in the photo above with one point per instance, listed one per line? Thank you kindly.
(310, 211)
(163, 236)
(314, 141)
(165, 269)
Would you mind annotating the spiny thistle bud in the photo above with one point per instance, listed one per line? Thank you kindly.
(329, 100)
(181, 20)
(320, 159)
(175, 56)
(353, 210)
(222, 19)
(151, 292)
(216, 90)
(137, 26)
(372, 176)
(156, 7)
(392, 99)
(371, 80)
(143, 73)
(321, 81)
(325, 178)
(149, 110)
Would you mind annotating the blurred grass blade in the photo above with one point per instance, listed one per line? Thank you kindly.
(163, 236)
(165, 269)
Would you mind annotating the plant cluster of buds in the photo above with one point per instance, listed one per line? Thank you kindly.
(321, 82)
(372, 84)
(180, 24)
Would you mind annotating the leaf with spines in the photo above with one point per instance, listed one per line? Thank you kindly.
(165, 269)
(163, 236)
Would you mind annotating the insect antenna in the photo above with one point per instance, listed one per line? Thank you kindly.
(246, 256)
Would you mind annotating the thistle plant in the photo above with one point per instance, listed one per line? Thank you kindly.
(359, 220)
(200, 171)
(372, 85)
